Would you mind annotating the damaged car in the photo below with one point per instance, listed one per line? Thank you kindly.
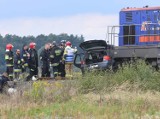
(95, 56)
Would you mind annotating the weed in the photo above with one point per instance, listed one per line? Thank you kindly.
(130, 92)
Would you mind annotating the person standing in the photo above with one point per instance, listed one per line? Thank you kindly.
(9, 60)
(32, 61)
(44, 58)
(24, 58)
(17, 65)
(3, 81)
(62, 63)
(69, 57)
(56, 55)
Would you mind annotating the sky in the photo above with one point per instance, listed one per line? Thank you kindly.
(89, 18)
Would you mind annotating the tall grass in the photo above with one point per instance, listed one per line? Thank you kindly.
(137, 74)
(130, 92)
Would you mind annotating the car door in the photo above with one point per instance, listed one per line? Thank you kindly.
(79, 60)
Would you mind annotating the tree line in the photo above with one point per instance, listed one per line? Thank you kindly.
(40, 40)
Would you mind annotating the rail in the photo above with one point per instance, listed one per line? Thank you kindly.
(145, 33)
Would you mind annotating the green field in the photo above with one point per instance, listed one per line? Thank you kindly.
(129, 93)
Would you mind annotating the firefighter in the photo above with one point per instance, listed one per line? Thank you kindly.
(17, 65)
(69, 57)
(56, 55)
(3, 81)
(9, 60)
(44, 58)
(32, 61)
(62, 64)
(24, 58)
(50, 66)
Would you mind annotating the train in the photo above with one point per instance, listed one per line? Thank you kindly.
(137, 36)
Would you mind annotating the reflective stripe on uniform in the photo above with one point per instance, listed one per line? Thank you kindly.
(10, 58)
(9, 65)
(55, 64)
(26, 65)
(19, 61)
(51, 56)
(32, 69)
(58, 52)
(24, 55)
(11, 75)
(59, 73)
(55, 72)
(6, 57)
(17, 70)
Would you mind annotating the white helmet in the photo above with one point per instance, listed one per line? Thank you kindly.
(34, 78)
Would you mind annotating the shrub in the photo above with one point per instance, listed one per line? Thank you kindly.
(96, 82)
(136, 73)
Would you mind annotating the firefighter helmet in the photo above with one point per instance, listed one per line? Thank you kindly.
(32, 45)
(54, 43)
(9, 46)
(63, 41)
(68, 43)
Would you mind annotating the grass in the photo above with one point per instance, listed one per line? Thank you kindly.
(130, 93)
(137, 75)
(118, 104)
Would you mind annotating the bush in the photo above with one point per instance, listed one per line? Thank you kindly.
(96, 82)
(137, 74)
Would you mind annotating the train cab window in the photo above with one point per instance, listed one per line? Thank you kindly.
(129, 35)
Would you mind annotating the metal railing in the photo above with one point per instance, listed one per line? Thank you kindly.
(144, 30)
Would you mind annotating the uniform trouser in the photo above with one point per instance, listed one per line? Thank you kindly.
(10, 72)
(45, 70)
(2, 83)
(55, 70)
(17, 73)
(61, 69)
(24, 67)
(69, 68)
(32, 72)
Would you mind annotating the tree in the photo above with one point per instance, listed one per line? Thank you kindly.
(40, 40)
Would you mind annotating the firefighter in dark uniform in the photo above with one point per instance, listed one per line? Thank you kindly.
(62, 64)
(17, 65)
(3, 81)
(44, 58)
(56, 55)
(9, 60)
(32, 61)
(24, 58)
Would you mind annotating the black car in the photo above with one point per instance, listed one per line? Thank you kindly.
(96, 56)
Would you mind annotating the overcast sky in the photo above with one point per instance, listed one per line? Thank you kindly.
(87, 17)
